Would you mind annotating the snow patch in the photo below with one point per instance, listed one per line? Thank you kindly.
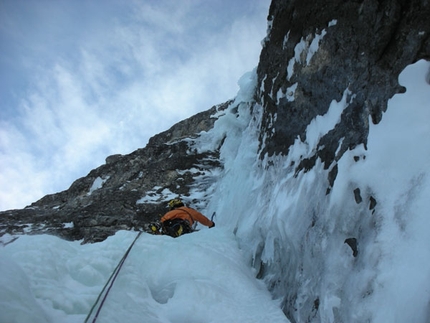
(321, 125)
(332, 23)
(157, 196)
(304, 51)
(98, 183)
(68, 225)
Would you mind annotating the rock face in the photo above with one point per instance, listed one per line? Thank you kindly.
(362, 48)
(127, 192)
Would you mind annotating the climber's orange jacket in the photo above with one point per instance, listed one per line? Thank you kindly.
(187, 214)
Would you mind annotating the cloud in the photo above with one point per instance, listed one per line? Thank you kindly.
(110, 79)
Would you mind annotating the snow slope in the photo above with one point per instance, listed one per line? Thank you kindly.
(202, 277)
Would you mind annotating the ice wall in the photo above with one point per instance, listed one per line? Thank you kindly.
(294, 233)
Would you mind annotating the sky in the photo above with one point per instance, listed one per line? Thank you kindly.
(82, 80)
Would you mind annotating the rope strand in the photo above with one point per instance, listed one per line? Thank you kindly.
(109, 282)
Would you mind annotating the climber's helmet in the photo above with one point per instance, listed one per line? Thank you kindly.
(175, 203)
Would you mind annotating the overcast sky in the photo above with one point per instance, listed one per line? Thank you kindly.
(82, 80)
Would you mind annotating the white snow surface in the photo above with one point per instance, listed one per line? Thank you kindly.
(201, 277)
(271, 224)
(97, 184)
(305, 49)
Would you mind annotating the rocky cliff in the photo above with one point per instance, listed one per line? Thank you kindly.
(362, 48)
(127, 192)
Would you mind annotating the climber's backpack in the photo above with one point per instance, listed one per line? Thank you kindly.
(176, 227)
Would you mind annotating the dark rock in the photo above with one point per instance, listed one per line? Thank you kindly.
(331, 177)
(113, 158)
(372, 203)
(109, 198)
(357, 196)
(366, 46)
(352, 243)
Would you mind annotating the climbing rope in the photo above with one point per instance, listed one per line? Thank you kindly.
(104, 293)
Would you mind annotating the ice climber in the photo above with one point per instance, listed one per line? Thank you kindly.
(180, 219)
